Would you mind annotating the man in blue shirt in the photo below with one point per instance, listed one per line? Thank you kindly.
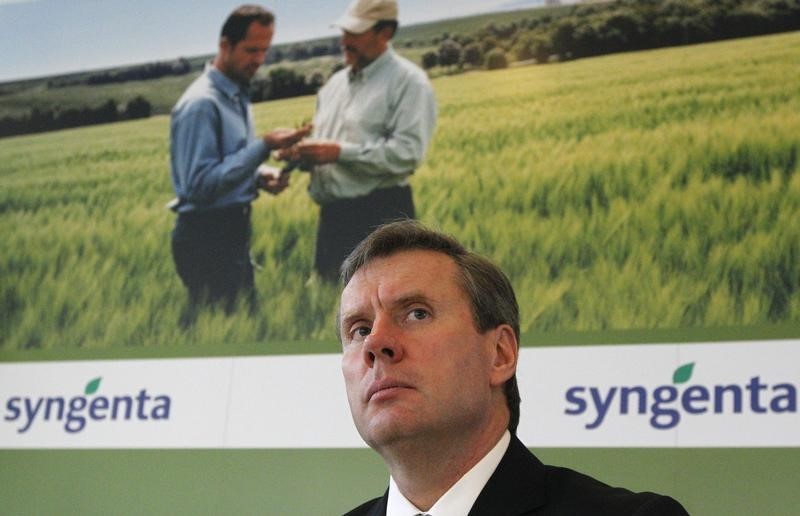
(216, 157)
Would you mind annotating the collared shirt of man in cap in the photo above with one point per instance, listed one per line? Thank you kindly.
(373, 122)
(430, 344)
(216, 167)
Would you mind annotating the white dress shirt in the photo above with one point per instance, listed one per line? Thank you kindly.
(382, 117)
(459, 499)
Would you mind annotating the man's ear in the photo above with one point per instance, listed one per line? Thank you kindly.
(224, 45)
(506, 353)
(386, 34)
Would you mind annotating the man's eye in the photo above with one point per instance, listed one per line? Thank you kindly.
(361, 331)
(419, 314)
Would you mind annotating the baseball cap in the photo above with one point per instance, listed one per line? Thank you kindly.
(361, 15)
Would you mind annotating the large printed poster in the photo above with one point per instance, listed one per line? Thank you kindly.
(631, 166)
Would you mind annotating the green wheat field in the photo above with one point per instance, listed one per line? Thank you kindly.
(647, 190)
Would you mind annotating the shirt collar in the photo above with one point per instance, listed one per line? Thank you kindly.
(220, 81)
(373, 68)
(461, 496)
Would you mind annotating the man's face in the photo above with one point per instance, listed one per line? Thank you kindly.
(240, 62)
(361, 49)
(414, 363)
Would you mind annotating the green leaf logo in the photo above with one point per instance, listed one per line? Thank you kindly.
(92, 386)
(683, 373)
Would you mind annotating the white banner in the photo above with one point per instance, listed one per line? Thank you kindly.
(662, 395)
(658, 395)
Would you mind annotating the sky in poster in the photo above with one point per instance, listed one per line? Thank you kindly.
(47, 37)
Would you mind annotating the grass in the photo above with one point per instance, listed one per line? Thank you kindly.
(656, 189)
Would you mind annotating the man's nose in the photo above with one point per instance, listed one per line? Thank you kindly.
(383, 342)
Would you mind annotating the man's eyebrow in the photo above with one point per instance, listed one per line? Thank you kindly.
(358, 313)
(411, 298)
(347, 319)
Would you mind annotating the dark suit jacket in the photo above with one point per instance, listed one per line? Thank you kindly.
(522, 485)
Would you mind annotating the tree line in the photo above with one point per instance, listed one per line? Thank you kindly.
(584, 30)
(303, 51)
(144, 72)
(41, 120)
(282, 82)
(595, 29)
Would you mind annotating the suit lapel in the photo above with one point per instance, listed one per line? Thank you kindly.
(516, 487)
(379, 509)
(374, 507)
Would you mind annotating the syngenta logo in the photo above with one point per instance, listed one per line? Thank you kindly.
(667, 404)
(77, 411)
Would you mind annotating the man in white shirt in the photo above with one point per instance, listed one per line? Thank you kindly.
(430, 337)
(373, 122)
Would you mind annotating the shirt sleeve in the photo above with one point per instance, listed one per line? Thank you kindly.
(205, 172)
(409, 129)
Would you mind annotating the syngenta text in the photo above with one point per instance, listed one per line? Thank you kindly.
(667, 404)
(76, 411)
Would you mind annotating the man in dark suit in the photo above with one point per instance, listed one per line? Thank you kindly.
(430, 336)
